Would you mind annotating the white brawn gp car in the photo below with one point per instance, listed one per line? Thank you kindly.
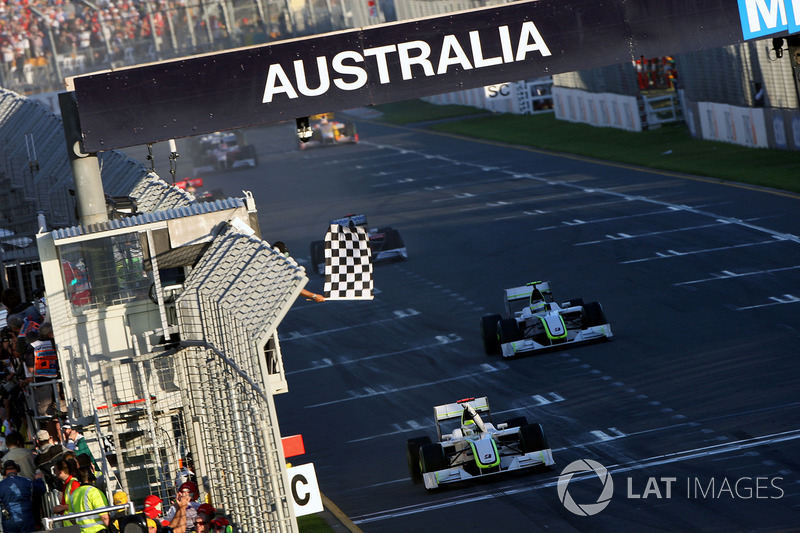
(469, 446)
(533, 321)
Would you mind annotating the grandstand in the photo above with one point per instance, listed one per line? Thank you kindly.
(44, 41)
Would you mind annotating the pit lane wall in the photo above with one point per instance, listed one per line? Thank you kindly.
(607, 110)
(746, 126)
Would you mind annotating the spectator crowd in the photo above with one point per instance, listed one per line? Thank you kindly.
(40, 39)
(44, 459)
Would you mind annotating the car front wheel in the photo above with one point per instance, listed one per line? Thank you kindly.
(489, 334)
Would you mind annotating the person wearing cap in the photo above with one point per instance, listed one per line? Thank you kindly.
(46, 447)
(188, 489)
(120, 498)
(153, 507)
(46, 455)
(221, 525)
(205, 515)
(20, 455)
(76, 441)
(16, 499)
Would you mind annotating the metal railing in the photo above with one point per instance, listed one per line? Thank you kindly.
(49, 522)
(663, 109)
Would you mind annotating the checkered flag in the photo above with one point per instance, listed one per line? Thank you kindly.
(348, 266)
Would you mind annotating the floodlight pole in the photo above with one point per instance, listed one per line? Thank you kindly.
(85, 167)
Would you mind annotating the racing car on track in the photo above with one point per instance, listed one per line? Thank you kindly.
(469, 446)
(325, 131)
(221, 151)
(195, 187)
(534, 321)
(385, 243)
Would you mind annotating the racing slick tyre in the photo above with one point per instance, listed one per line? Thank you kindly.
(350, 131)
(593, 315)
(509, 331)
(431, 458)
(532, 439)
(392, 240)
(249, 152)
(517, 422)
(318, 257)
(489, 334)
(412, 456)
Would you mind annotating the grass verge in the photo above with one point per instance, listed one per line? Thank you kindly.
(669, 148)
(313, 523)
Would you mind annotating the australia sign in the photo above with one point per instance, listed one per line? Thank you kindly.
(391, 62)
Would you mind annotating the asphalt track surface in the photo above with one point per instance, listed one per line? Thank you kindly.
(693, 407)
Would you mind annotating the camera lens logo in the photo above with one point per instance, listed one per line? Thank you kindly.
(581, 467)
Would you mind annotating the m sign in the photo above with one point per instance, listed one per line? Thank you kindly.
(766, 17)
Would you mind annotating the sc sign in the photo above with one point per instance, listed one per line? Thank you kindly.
(305, 490)
(765, 17)
(501, 91)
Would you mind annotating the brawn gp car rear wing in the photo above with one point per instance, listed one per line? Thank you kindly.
(451, 411)
(517, 299)
(519, 293)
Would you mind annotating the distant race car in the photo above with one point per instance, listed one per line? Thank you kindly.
(469, 446)
(385, 243)
(221, 151)
(328, 132)
(533, 321)
(195, 187)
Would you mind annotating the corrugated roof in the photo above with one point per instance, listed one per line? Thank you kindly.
(197, 208)
(35, 175)
(245, 276)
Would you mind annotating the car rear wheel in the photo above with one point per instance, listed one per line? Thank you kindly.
(249, 152)
(392, 240)
(517, 422)
(412, 456)
(318, 256)
(431, 458)
(489, 333)
(350, 131)
(593, 315)
(509, 331)
(532, 439)
(575, 302)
